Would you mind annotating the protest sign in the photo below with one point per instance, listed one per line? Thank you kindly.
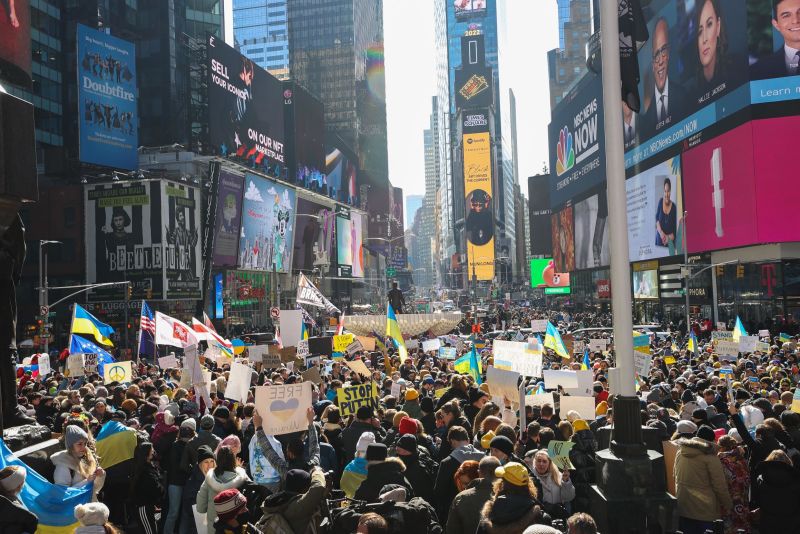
(288, 354)
(396, 389)
(728, 350)
(238, 382)
(721, 335)
(747, 343)
(598, 345)
(583, 405)
(431, 344)
(669, 360)
(762, 347)
(559, 453)
(44, 365)
(368, 342)
(312, 375)
(518, 356)
(447, 353)
(320, 345)
(283, 408)
(311, 361)
(302, 348)
(539, 399)
(340, 343)
(566, 379)
(642, 363)
(351, 398)
(271, 361)
(796, 400)
(412, 344)
(721, 326)
(291, 327)
(578, 347)
(168, 362)
(357, 366)
(585, 384)
(763, 333)
(90, 363)
(355, 346)
(118, 372)
(502, 383)
(256, 352)
(539, 325)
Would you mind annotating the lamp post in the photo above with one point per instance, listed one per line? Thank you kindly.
(43, 296)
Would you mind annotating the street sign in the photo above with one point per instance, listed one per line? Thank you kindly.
(43, 310)
(275, 312)
(391, 271)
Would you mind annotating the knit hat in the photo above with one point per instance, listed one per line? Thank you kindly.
(222, 412)
(364, 413)
(92, 514)
(513, 472)
(426, 404)
(229, 504)
(407, 443)
(15, 479)
(129, 405)
(502, 444)
(579, 424)
(74, 434)
(190, 423)
(601, 408)
(707, 433)
(364, 441)
(298, 481)
(376, 452)
(207, 422)
(686, 427)
(487, 438)
(169, 419)
(412, 394)
(204, 452)
(407, 426)
(541, 529)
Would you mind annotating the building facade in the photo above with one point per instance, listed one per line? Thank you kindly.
(261, 32)
(566, 64)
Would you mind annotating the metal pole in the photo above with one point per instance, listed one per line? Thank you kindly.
(42, 301)
(43, 261)
(714, 308)
(686, 272)
(617, 200)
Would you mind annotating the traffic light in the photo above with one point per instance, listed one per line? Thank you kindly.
(720, 270)
(740, 271)
(149, 293)
(130, 291)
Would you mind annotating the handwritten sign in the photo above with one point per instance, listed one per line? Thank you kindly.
(559, 453)
(396, 390)
(368, 342)
(90, 363)
(539, 399)
(796, 400)
(642, 363)
(447, 353)
(118, 372)
(351, 398)
(357, 366)
(539, 325)
(302, 348)
(340, 343)
(44, 365)
(598, 345)
(431, 345)
(523, 358)
(168, 362)
(721, 335)
(728, 350)
(283, 408)
(355, 346)
(747, 343)
(271, 361)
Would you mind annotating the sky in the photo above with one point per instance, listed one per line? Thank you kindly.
(411, 82)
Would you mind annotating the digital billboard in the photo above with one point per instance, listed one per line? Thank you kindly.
(181, 205)
(304, 117)
(774, 44)
(123, 231)
(15, 41)
(539, 214)
(563, 234)
(268, 221)
(591, 231)
(344, 242)
(357, 222)
(108, 121)
(655, 212)
(645, 284)
(245, 109)
(341, 172)
(219, 300)
(314, 235)
(228, 219)
(469, 8)
(479, 221)
(544, 274)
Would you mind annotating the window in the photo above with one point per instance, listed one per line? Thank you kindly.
(473, 52)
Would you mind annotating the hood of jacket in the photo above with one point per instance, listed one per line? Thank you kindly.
(279, 502)
(778, 474)
(584, 439)
(467, 452)
(695, 447)
(390, 465)
(66, 459)
(227, 480)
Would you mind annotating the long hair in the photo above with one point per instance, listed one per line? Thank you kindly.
(488, 409)
(501, 487)
(226, 461)
(89, 462)
(141, 457)
(722, 42)
(553, 471)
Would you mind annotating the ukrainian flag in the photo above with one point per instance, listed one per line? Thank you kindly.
(84, 322)
(784, 338)
(303, 331)
(586, 364)
(641, 343)
(394, 333)
(738, 329)
(115, 444)
(52, 504)
(692, 346)
(461, 365)
(552, 340)
(475, 366)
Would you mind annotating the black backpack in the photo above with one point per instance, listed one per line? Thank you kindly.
(415, 515)
(255, 495)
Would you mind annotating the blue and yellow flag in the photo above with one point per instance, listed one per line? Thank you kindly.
(540, 390)
(303, 331)
(692, 346)
(784, 338)
(461, 365)
(552, 340)
(52, 504)
(394, 333)
(475, 366)
(738, 329)
(81, 345)
(115, 444)
(641, 343)
(84, 322)
(586, 364)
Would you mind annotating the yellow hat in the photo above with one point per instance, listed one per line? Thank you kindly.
(579, 424)
(412, 394)
(601, 409)
(513, 473)
(487, 439)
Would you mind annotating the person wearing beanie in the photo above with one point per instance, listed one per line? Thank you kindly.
(476, 398)
(204, 437)
(93, 519)
(300, 501)
(232, 518)
(226, 475)
(223, 423)
(700, 484)
(513, 506)
(411, 405)
(420, 468)
(407, 426)
(206, 462)
(165, 425)
(428, 418)
(381, 471)
(77, 465)
(176, 476)
(365, 422)
(685, 429)
(355, 472)
(14, 516)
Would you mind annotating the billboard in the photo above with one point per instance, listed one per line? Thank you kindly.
(123, 231)
(563, 235)
(341, 172)
(357, 222)
(577, 144)
(344, 242)
(245, 109)
(228, 219)
(479, 222)
(655, 212)
(180, 213)
(15, 41)
(108, 121)
(473, 88)
(219, 296)
(591, 231)
(305, 125)
(544, 274)
(773, 36)
(539, 215)
(268, 222)
(645, 280)
(313, 236)
(469, 8)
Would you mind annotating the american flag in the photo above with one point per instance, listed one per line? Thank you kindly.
(147, 332)
(146, 321)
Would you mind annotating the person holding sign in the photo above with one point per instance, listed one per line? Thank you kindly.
(294, 451)
(557, 489)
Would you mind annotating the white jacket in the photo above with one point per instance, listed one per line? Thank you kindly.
(212, 486)
(67, 473)
(552, 493)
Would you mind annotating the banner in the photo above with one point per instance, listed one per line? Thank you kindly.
(283, 408)
(170, 331)
(268, 220)
(309, 295)
(430, 345)
(181, 206)
(518, 357)
(351, 398)
(228, 219)
(478, 195)
(108, 124)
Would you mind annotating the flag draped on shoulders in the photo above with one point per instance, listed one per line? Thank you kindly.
(115, 444)
(84, 322)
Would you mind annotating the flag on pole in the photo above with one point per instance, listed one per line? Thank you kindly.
(306, 316)
(586, 364)
(738, 329)
(81, 345)
(475, 366)
(340, 328)
(553, 341)
(147, 332)
(204, 333)
(84, 322)
(393, 332)
(170, 331)
(303, 330)
(692, 346)
(308, 294)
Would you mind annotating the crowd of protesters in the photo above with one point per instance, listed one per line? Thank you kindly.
(443, 456)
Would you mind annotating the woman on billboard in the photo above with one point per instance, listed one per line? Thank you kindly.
(666, 218)
(712, 48)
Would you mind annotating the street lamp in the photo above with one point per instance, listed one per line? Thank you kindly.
(43, 297)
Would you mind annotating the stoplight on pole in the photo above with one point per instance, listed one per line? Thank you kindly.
(129, 291)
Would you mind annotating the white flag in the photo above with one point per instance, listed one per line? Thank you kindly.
(205, 333)
(307, 293)
(170, 331)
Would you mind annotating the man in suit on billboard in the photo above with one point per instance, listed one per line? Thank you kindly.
(668, 97)
(784, 61)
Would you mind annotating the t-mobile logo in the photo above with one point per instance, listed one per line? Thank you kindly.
(717, 196)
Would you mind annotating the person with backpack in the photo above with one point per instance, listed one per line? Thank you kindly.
(420, 469)
(381, 471)
(232, 514)
(445, 487)
(299, 508)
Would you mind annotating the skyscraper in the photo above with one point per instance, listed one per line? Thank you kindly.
(429, 224)
(413, 203)
(567, 64)
(261, 32)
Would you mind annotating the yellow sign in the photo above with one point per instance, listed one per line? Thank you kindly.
(118, 372)
(352, 398)
(669, 360)
(478, 195)
(340, 343)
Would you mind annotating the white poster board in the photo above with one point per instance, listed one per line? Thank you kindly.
(75, 365)
(502, 383)
(283, 408)
(44, 365)
(728, 348)
(291, 327)
(747, 343)
(585, 384)
(583, 405)
(539, 399)
(642, 363)
(431, 345)
(168, 362)
(539, 325)
(598, 345)
(517, 356)
(566, 379)
(238, 382)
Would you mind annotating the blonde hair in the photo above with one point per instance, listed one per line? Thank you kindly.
(553, 470)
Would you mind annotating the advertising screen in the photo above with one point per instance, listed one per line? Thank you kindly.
(539, 214)
(267, 226)
(469, 8)
(474, 88)
(344, 241)
(563, 233)
(645, 284)
(340, 172)
(774, 43)
(591, 231)
(219, 302)
(655, 212)
(124, 239)
(577, 144)
(245, 109)
(314, 235)
(108, 123)
(479, 224)
(544, 274)
(229, 219)
(305, 124)
(357, 222)
(15, 41)
(720, 192)
(180, 211)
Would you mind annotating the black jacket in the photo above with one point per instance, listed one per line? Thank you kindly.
(445, 488)
(445, 449)
(380, 474)
(351, 434)
(148, 488)
(778, 487)
(421, 473)
(450, 394)
(176, 475)
(14, 519)
(771, 66)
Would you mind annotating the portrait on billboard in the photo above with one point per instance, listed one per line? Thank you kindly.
(645, 284)
(479, 224)
(228, 219)
(344, 239)
(668, 96)
(591, 235)
(465, 8)
(630, 126)
(563, 240)
(782, 55)
(15, 41)
(267, 226)
(314, 236)
(182, 256)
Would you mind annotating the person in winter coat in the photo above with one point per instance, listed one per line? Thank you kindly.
(451, 414)
(380, 472)
(420, 471)
(582, 457)
(700, 485)
(77, 465)
(476, 399)
(557, 489)
(411, 406)
(734, 465)
(294, 452)
(231, 507)
(428, 418)
(165, 424)
(465, 512)
(332, 429)
(146, 489)
(514, 506)
(356, 471)
(204, 437)
(176, 477)
(225, 475)
(365, 422)
(206, 462)
(445, 488)
(759, 447)
(14, 517)
(93, 519)
(300, 503)
(457, 391)
(778, 494)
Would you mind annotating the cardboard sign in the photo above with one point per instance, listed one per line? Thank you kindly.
(565, 379)
(721, 335)
(355, 346)
(598, 345)
(367, 342)
(168, 362)
(118, 372)
(748, 343)
(238, 382)
(271, 361)
(763, 333)
(90, 363)
(447, 353)
(728, 348)
(283, 408)
(502, 383)
(642, 363)
(539, 325)
(539, 399)
(559, 453)
(357, 366)
(351, 398)
(44, 365)
(431, 345)
(312, 375)
(288, 354)
(340, 343)
(583, 405)
(585, 384)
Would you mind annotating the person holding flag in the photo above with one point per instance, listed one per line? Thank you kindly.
(586, 365)
(393, 332)
(553, 341)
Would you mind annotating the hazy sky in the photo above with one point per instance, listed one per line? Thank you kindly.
(531, 30)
